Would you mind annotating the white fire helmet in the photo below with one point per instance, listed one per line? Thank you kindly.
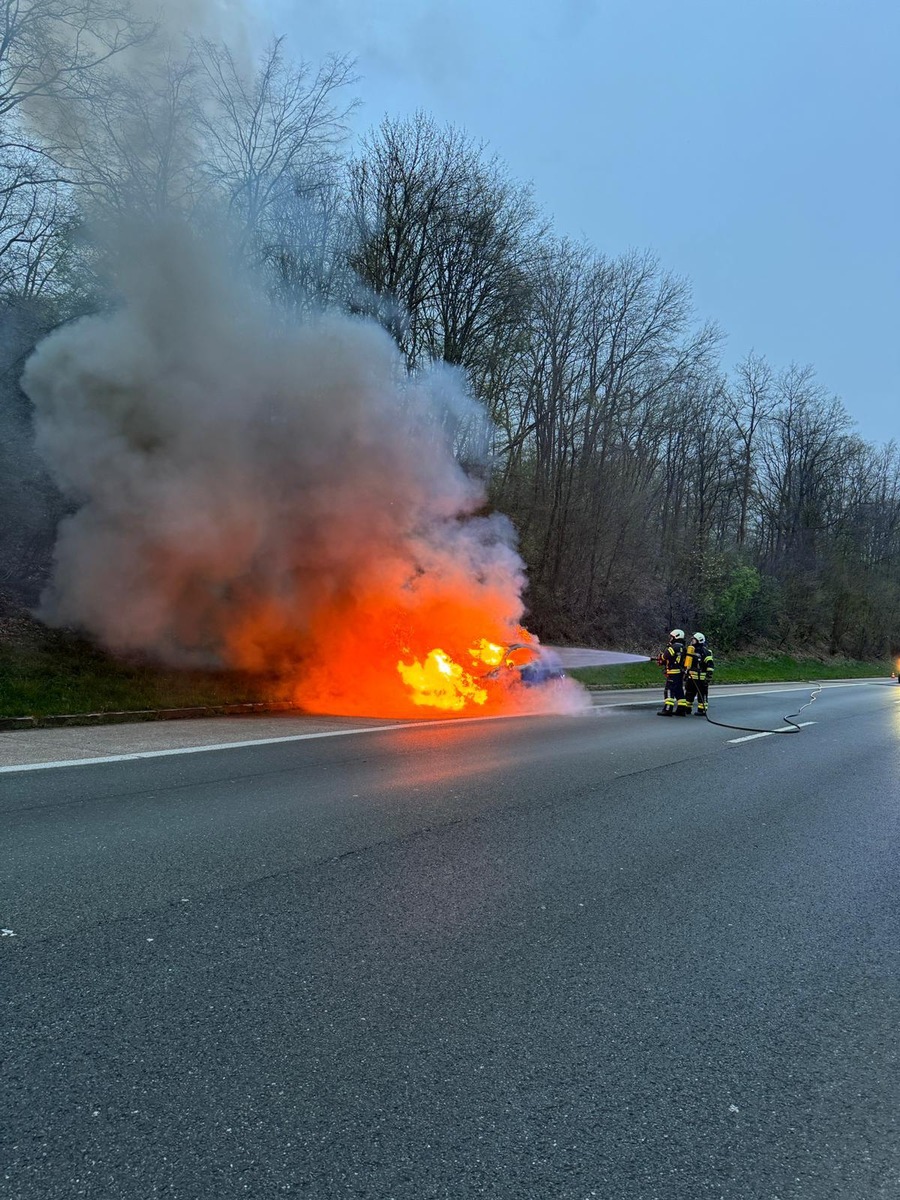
(677, 635)
(699, 638)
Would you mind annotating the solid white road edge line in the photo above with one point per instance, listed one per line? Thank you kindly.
(301, 737)
(768, 733)
(293, 737)
(781, 691)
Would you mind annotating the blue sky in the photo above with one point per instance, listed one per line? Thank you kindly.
(752, 145)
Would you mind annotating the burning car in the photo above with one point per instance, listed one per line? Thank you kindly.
(492, 676)
(491, 669)
(535, 664)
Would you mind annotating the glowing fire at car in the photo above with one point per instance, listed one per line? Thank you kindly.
(445, 658)
(488, 652)
(439, 682)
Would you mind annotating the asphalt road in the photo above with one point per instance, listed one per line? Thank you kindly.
(608, 956)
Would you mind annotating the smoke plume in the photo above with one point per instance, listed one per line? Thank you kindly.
(259, 493)
(269, 496)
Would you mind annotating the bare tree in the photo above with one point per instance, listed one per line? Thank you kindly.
(37, 218)
(138, 153)
(271, 133)
(53, 57)
(482, 243)
(396, 186)
(800, 457)
(51, 51)
(307, 241)
(749, 403)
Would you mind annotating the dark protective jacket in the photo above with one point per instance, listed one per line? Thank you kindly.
(672, 658)
(698, 662)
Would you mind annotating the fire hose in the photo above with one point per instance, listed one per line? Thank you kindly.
(816, 685)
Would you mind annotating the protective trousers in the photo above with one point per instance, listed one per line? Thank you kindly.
(697, 689)
(673, 696)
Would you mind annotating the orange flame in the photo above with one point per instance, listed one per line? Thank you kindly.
(488, 653)
(399, 652)
(439, 682)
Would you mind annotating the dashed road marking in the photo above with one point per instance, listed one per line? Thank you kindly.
(784, 729)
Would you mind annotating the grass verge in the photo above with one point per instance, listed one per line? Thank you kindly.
(48, 672)
(739, 668)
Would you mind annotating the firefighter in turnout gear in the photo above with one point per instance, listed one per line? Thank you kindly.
(672, 662)
(698, 672)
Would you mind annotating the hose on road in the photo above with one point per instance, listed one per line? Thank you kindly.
(816, 688)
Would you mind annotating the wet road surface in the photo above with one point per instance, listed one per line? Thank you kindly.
(609, 955)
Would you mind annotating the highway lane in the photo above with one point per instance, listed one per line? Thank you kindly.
(608, 956)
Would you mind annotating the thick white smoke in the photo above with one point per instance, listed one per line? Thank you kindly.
(259, 494)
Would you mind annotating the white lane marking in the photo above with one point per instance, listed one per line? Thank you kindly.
(294, 737)
(753, 736)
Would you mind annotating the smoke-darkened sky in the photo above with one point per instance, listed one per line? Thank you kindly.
(752, 146)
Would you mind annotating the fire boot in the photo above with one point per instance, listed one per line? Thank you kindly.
(684, 708)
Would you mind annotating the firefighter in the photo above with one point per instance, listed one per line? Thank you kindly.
(698, 672)
(672, 662)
